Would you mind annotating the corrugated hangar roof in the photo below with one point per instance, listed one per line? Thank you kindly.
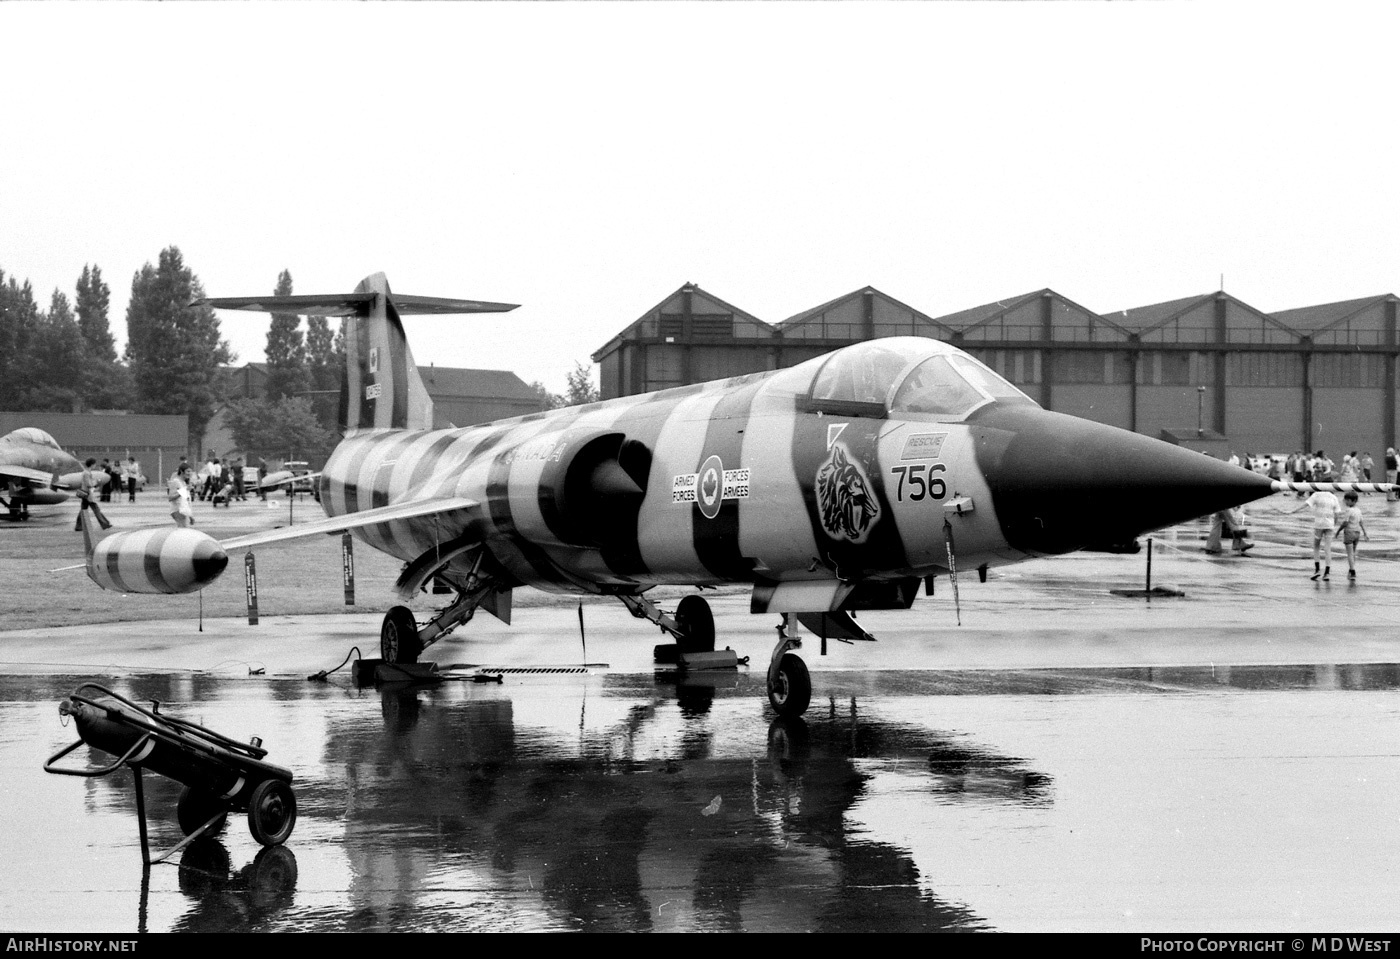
(1143, 318)
(1147, 319)
(1311, 319)
(631, 331)
(977, 316)
(800, 318)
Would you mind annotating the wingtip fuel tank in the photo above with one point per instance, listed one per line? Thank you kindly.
(166, 560)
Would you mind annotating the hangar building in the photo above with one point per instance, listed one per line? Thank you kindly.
(157, 441)
(1208, 367)
(461, 397)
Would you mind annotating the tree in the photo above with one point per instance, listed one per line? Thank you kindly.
(548, 400)
(56, 360)
(581, 389)
(325, 358)
(286, 353)
(19, 325)
(285, 428)
(173, 348)
(93, 300)
(105, 382)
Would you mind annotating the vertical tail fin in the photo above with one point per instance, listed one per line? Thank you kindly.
(381, 388)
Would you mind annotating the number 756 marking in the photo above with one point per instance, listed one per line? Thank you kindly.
(920, 486)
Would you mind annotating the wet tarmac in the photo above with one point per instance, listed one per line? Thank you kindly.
(1064, 760)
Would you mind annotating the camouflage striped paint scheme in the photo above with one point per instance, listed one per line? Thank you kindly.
(735, 469)
(164, 560)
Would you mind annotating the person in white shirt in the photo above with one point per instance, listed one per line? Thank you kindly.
(1324, 508)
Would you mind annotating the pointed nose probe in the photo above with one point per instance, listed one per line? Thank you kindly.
(1060, 483)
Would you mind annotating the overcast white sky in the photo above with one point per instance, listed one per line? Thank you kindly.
(585, 159)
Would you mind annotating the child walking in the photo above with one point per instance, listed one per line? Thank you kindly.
(1352, 531)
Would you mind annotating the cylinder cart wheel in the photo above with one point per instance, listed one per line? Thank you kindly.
(398, 637)
(272, 812)
(792, 691)
(196, 807)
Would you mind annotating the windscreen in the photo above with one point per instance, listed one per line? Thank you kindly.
(951, 386)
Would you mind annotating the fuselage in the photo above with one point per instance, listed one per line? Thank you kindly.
(881, 461)
(33, 449)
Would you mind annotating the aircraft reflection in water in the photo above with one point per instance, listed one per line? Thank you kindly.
(654, 824)
(456, 807)
(34, 471)
(836, 485)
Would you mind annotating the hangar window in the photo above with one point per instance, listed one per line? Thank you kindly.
(1264, 369)
(1348, 370)
(712, 326)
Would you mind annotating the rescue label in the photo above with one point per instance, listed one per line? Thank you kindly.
(372, 391)
(923, 446)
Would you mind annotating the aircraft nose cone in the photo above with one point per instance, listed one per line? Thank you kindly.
(1060, 483)
(209, 564)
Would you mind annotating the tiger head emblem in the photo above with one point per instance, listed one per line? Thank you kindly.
(848, 507)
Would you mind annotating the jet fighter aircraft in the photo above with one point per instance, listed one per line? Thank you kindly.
(34, 471)
(839, 484)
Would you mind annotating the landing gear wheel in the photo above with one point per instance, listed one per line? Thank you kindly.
(697, 625)
(398, 637)
(196, 807)
(791, 692)
(272, 812)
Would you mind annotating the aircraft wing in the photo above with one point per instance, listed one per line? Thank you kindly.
(338, 524)
(284, 479)
(28, 475)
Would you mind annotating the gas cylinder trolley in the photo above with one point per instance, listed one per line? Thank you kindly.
(219, 774)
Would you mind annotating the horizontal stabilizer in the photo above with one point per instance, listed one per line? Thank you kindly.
(338, 524)
(351, 304)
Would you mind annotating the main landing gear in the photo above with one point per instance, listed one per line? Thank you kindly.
(402, 640)
(789, 683)
(398, 636)
(693, 626)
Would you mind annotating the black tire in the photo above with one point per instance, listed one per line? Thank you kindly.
(398, 637)
(272, 812)
(196, 807)
(697, 625)
(792, 692)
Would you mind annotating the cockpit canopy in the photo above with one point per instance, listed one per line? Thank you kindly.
(32, 435)
(910, 375)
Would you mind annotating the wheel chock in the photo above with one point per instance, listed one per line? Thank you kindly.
(719, 659)
(406, 673)
(362, 671)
